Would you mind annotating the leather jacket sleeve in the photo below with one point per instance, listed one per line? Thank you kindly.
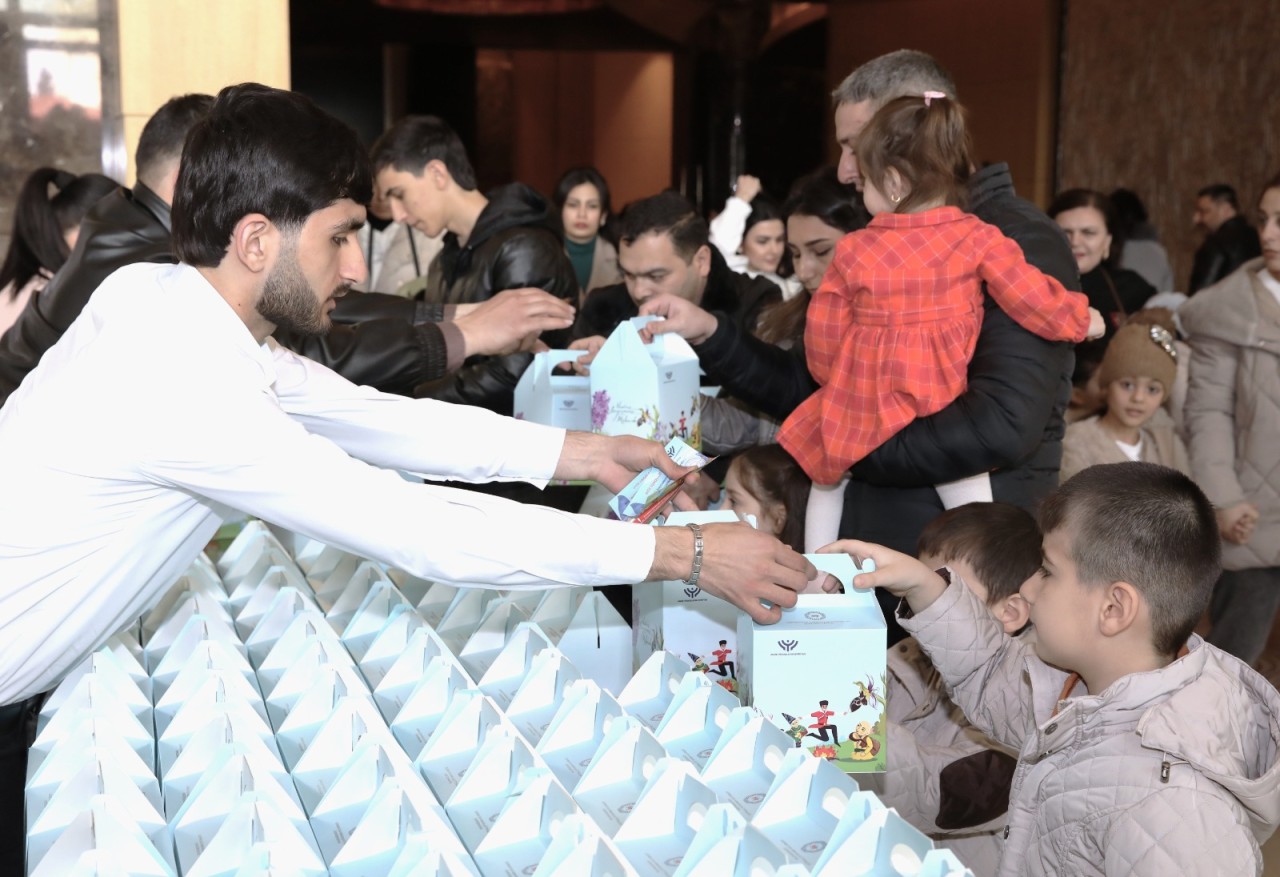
(761, 374)
(391, 355)
(357, 306)
(525, 260)
(1208, 267)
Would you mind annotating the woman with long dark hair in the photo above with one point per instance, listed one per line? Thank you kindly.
(582, 204)
(46, 223)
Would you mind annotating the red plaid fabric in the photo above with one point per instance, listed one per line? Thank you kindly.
(892, 328)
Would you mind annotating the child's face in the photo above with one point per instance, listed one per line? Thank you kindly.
(1132, 401)
(1062, 609)
(738, 499)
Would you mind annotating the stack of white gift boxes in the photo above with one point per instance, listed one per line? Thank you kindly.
(301, 711)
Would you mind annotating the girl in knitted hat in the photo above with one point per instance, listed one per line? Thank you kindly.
(1137, 373)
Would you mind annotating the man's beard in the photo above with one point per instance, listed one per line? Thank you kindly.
(288, 301)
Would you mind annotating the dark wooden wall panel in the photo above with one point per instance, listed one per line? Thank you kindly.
(1166, 96)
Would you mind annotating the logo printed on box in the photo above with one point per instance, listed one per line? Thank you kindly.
(816, 616)
(692, 592)
(788, 644)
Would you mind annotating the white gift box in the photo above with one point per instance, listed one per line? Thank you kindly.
(696, 719)
(226, 786)
(547, 395)
(197, 580)
(525, 828)
(512, 663)
(98, 676)
(319, 679)
(253, 539)
(695, 626)
(412, 587)
(490, 636)
(555, 609)
(331, 747)
(366, 577)
(649, 390)
(539, 695)
(742, 767)
(205, 656)
(100, 841)
(884, 845)
(436, 602)
(385, 649)
(195, 617)
(463, 615)
(819, 673)
(288, 605)
(727, 845)
(580, 849)
(274, 560)
(374, 780)
(415, 669)
(76, 755)
(577, 729)
(803, 806)
(651, 689)
(496, 773)
(598, 642)
(96, 780)
(380, 606)
(453, 744)
(201, 686)
(216, 744)
(612, 782)
(253, 829)
(305, 629)
(164, 661)
(276, 580)
(328, 581)
(419, 859)
(235, 718)
(669, 812)
(395, 821)
(77, 726)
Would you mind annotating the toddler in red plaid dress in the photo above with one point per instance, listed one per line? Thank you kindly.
(892, 328)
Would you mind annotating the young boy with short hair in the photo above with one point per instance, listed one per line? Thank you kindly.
(1137, 373)
(1144, 750)
(944, 776)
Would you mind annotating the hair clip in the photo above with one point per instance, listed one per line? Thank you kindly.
(930, 96)
(1162, 336)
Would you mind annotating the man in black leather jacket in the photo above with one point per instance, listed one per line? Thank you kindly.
(503, 240)
(1230, 239)
(664, 247)
(384, 341)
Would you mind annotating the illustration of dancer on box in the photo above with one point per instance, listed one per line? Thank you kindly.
(824, 725)
(722, 665)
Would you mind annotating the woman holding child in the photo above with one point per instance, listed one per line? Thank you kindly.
(1232, 417)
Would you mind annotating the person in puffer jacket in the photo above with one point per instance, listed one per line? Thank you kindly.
(1143, 749)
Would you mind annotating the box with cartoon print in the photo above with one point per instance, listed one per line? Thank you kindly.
(819, 673)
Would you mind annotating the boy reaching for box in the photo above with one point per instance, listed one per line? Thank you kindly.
(1144, 750)
(944, 776)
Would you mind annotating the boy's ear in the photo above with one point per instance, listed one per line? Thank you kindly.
(1120, 607)
(1013, 613)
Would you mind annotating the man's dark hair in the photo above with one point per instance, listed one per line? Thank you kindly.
(1147, 525)
(1220, 192)
(1001, 542)
(666, 213)
(261, 150)
(163, 135)
(412, 142)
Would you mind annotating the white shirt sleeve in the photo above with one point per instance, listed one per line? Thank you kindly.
(728, 228)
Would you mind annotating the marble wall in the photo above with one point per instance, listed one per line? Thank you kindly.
(57, 85)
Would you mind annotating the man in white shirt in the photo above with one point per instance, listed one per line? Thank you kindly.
(121, 453)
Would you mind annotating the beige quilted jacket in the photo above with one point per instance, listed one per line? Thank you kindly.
(1170, 772)
(1232, 412)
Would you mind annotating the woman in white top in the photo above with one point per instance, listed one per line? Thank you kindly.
(751, 235)
(45, 228)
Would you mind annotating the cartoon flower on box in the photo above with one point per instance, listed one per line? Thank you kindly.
(599, 409)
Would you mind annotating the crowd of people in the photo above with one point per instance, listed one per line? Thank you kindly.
(1060, 463)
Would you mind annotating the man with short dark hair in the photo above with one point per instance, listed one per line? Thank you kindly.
(664, 247)
(1009, 421)
(167, 406)
(501, 240)
(1230, 240)
(381, 340)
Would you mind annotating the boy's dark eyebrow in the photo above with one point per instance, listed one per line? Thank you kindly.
(347, 225)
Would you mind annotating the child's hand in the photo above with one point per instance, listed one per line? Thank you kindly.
(899, 574)
(1097, 326)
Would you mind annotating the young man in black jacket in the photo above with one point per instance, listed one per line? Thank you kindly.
(501, 240)
(381, 340)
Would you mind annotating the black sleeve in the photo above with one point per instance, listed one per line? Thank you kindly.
(357, 306)
(763, 375)
(1207, 267)
(390, 355)
(975, 789)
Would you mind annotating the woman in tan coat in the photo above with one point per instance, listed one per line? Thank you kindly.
(1232, 418)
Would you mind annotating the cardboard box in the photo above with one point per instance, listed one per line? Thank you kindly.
(649, 390)
(552, 396)
(819, 673)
